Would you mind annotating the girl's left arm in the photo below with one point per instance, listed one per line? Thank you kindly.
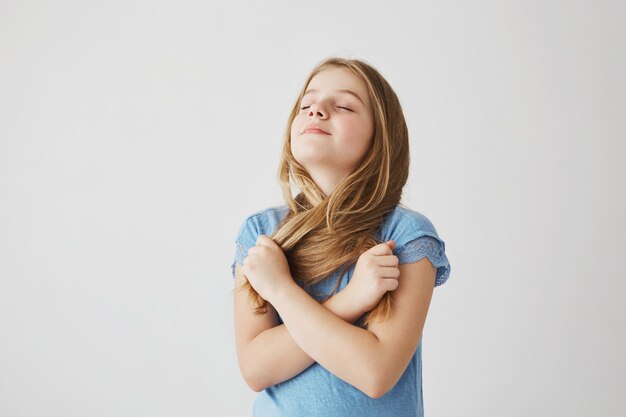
(371, 360)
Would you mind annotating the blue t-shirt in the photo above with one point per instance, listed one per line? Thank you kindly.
(316, 391)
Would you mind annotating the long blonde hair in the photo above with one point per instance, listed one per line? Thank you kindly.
(320, 234)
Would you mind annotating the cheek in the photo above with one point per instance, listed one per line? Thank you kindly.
(294, 139)
(296, 126)
(293, 132)
(360, 134)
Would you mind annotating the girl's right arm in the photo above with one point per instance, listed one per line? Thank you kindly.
(266, 353)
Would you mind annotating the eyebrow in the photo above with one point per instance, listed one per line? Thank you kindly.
(344, 91)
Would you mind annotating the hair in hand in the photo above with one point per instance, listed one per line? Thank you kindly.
(322, 233)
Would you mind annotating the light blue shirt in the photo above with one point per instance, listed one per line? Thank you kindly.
(317, 392)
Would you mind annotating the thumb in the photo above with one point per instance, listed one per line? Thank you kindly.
(391, 244)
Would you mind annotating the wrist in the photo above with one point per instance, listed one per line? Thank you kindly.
(282, 292)
(343, 305)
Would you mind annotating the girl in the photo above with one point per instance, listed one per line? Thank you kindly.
(332, 289)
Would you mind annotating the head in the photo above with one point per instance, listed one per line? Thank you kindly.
(367, 144)
(350, 176)
(337, 102)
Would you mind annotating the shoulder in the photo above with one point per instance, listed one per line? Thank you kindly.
(262, 222)
(404, 224)
(416, 237)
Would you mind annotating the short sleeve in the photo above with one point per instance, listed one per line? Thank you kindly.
(246, 238)
(429, 247)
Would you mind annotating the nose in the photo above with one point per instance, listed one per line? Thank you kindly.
(318, 110)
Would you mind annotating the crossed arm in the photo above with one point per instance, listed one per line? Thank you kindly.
(266, 352)
(371, 360)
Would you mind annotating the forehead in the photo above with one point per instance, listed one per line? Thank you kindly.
(340, 81)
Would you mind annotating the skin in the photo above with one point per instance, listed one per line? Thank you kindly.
(372, 359)
(328, 158)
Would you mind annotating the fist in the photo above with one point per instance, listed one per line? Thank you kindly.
(375, 273)
(266, 268)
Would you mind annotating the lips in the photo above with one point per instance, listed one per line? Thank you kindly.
(315, 129)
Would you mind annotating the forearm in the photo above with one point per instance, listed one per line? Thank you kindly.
(278, 358)
(347, 351)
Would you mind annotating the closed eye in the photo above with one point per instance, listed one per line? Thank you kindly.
(339, 107)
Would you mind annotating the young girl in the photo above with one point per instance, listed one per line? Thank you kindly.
(332, 289)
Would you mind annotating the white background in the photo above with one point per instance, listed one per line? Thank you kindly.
(137, 136)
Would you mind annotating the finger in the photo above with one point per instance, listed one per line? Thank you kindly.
(380, 249)
(264, 240)
(387, 260)
(389, 272)
(390, 284)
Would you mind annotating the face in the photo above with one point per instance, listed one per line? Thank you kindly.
(346, 121)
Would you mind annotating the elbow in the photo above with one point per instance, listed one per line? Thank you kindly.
(251, 377)
(250, 373)
(380, 384)
(253, 381)
(377, 391)
(254, 384)
(255, 387)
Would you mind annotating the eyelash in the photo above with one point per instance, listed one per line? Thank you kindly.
(306, 107)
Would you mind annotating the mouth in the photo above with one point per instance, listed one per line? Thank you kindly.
(315, 131)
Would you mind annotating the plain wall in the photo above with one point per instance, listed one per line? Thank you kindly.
(136, 137)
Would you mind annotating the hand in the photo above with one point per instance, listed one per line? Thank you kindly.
(266, 268)
(375, 273)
